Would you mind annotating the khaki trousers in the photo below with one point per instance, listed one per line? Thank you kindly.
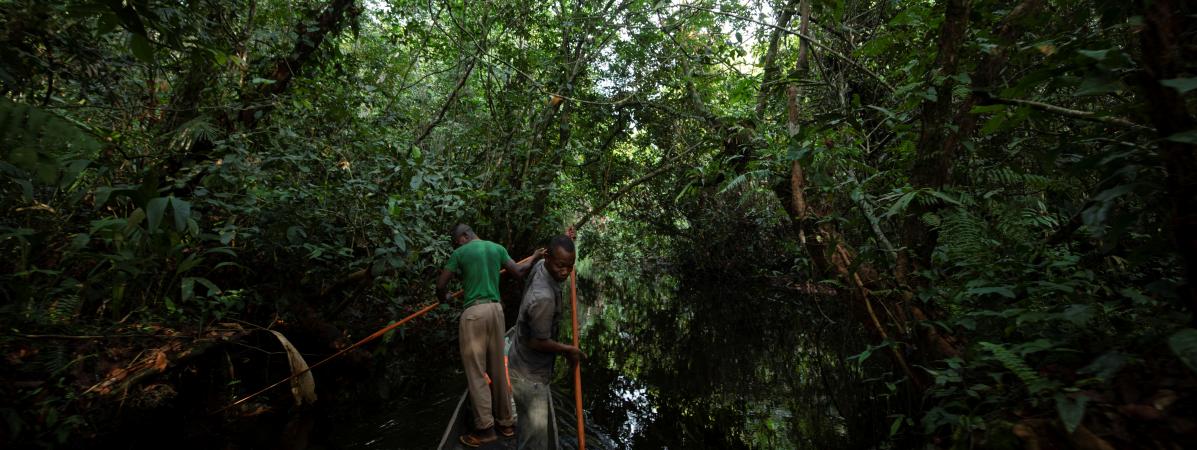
(481, 338)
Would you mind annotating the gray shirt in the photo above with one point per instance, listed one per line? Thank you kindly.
(539, 316)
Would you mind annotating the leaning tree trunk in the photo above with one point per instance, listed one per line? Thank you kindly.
(821, 239)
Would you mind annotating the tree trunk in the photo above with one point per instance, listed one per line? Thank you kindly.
(768, 80)
(933, 162)
(1163, 58)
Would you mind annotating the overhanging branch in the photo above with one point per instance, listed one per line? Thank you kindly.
(1066, 112)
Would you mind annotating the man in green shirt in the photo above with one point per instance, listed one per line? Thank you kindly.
(477, 263)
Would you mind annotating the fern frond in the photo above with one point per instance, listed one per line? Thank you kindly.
(965, 238)
(64, 309)
(1014, 363)
(734, 182)
(197, 129)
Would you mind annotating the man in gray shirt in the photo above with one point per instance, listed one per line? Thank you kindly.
(534, 349)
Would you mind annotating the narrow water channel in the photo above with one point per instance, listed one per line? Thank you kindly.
(681, 365)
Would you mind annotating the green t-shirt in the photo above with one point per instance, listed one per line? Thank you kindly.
(478, 263)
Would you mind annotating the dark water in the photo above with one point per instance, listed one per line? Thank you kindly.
(699, 365)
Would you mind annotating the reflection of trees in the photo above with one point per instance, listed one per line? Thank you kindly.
(730, 367)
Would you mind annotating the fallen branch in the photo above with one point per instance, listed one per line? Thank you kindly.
(121, 380)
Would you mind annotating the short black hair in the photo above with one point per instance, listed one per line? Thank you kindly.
(563, 242)
(461, 229)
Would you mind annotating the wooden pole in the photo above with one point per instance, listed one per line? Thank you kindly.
(334, 355)
(362, 342)
(573, 299)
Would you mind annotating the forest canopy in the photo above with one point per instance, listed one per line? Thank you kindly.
(999, 196)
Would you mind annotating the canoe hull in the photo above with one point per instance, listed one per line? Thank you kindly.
(462, 421)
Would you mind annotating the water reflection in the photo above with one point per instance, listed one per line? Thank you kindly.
(693, 365)
(677, 365)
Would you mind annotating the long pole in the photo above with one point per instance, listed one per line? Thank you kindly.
(334, 355)
(360, 343)
(573, 299)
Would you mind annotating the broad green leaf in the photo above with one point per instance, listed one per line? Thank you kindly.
(1106, 366)
(26, 189)
(1136, 296)
(295, 234)
(72, 171)
(942, 196)
(1182, 85)
(1114, 192)
(133, 220)
(80, 241)
(901, 204)
(142, 48)
(225, 250)
(229, 264)
(896, 425)
(1099, 55)
(189, 263)
(1184, 137)
(102, 194)
(1184, 345)
(1097, 85)
(187, 288)
(1077, 314)
(182, 212)
(1003, 291)
(1071, 409)
(212, 289)
(154, 211)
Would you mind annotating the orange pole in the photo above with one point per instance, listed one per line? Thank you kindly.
(573, 299)
(334, 355)
(360, 343)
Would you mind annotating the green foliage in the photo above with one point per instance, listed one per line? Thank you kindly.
(1015, 363)
(157, 165)
(1184, 344)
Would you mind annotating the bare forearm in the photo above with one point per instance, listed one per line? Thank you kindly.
(521, 269)
(550, 346)
(442, 285)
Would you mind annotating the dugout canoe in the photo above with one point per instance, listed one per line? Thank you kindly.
(462, 420)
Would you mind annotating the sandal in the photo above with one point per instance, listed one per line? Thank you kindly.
(477, 438)
(508, 431)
